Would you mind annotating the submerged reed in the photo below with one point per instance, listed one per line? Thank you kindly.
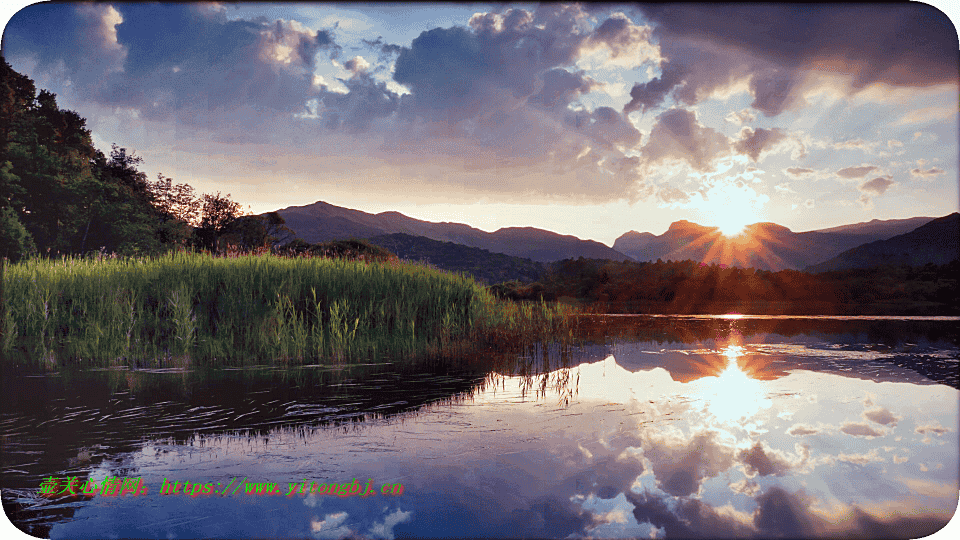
(182, 308)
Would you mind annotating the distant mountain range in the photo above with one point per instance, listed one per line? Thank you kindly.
(764, 246)
(321, 222)
(936, 242)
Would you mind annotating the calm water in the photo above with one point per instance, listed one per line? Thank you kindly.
(656, 426)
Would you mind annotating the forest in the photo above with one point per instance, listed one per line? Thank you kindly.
(59, 195)
(690, 287)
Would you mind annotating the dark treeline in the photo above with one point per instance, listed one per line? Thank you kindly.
(688, 287)
(59, 195)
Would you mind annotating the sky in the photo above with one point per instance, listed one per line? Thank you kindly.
(589, 120)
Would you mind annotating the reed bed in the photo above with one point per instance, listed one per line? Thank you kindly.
(185, 308)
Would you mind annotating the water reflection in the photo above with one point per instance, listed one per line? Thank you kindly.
(735, 434)
(732, 394)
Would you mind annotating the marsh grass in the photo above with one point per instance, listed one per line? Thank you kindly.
(184, 309)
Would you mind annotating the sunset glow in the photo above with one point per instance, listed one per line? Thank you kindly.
(634, 117)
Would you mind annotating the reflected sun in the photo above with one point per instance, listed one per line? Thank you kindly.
(733, 395)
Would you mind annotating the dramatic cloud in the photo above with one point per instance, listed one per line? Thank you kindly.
(679, 135)
(776, 47)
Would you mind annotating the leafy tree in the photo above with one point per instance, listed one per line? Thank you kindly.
(15, 241)
(218, 213)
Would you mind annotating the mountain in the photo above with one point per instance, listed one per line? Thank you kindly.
(321, 222)
(937, 242)
(882, 228)
(766, 246)
(481, 264)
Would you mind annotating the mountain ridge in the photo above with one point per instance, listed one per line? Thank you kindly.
(764, 245)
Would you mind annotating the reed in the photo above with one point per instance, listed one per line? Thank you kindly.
(184, 308)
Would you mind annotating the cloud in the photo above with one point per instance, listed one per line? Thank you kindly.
(856, 172)
(931, 428)
(773, 46)
(877, 186)
(678, 135)
(753, 142)
(881, 415)
(181, 61)
(622, 38)
(798, 172)
(765, 461)
(681, 465)
(365, 101)
(926, 115)
(859, 429)
(330, 527)
(385, 530)
(801, 430)
(356, 65)
(743, 116)
(932, 172)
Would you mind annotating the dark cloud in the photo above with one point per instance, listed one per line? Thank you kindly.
(605, 126)
(459, 73)
(762, 460)
(753, 142)
(911, 45)
(877, 186)
(620, 35)
(186, 60)
(385, 49)
(678, 135)
(366, 101)
(650, 95)
(856, 172)
(681, 466)
(560, 88)
(782, 514)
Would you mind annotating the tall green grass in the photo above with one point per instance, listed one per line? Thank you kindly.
(183, 308)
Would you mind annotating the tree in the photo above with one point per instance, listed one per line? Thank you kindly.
(15, 241)
(217, 214)
(179, 210)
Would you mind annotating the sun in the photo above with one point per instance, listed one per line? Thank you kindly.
(731, 208)
(731, 226)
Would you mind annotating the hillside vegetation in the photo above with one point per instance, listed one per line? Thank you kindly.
(689, 287)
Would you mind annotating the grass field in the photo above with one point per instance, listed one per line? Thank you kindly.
(184, 308)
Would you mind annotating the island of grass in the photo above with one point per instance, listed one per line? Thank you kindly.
(198, 309)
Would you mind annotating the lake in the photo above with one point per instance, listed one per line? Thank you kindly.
(652, 426)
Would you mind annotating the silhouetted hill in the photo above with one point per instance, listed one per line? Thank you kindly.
(937, 242)
(481, 264)
(765, 246)
(321, 222)
(882, 228)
